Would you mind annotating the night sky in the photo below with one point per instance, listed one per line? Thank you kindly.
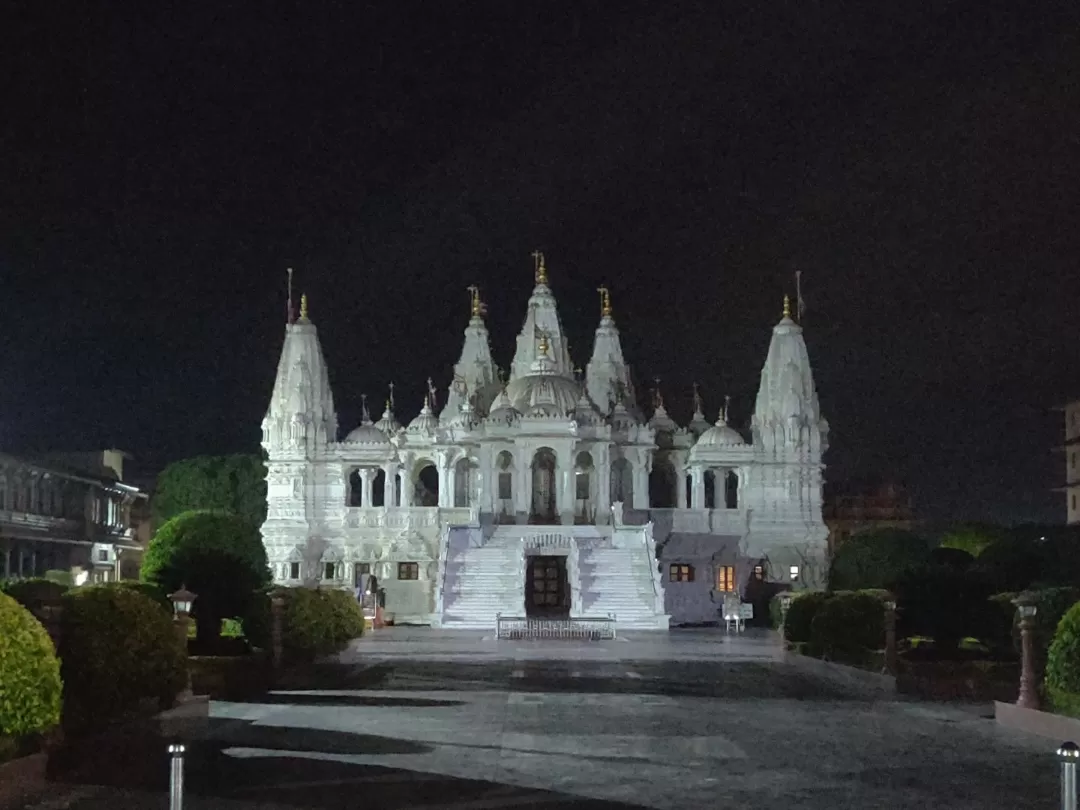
(160, 169)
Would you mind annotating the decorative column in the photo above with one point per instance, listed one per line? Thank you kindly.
(680, 487)
(390, 472)
(564, 493)
(446, 495)
(406, 488)
(697, 487)
(641, 480)
(366, 479)
(603, 488)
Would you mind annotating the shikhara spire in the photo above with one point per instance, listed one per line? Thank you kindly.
(607, 372)
(542, 316)
(475, 369)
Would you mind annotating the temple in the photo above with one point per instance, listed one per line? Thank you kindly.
(552, 493)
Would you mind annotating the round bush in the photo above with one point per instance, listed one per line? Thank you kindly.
(801, 614)
(118, 649)
(1063, 658)
(319, 622)
(849, 623)
(877, 559)
(29, 673)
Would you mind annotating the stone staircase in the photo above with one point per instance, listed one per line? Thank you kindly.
(622, 581)
(479, 582)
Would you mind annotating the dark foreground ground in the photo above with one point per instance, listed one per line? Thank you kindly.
(396, 731)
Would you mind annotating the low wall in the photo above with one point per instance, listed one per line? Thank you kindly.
(855, 680)
(1044, 724)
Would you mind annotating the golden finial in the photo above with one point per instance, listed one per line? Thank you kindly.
(787, 306)
(541, 268)
(478, 307)
(303, 307)
(544, 344)
(605, 302)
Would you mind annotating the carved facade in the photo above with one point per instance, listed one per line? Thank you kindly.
(549, 446)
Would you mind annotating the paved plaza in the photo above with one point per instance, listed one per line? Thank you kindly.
(418, 718)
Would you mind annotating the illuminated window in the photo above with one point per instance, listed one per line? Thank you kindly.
(725, 578)
(294, 570)
(793, 571)
(681, 573)
(408, 570)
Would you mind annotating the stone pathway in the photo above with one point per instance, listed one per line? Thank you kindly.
(414, 719)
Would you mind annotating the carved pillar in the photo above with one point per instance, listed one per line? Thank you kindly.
(641, 469)
(406, 488)
(680, 487)
(366, 479)
(697, 487)
(603, 487)
(390, 472)
(564, 490)
(446, 494)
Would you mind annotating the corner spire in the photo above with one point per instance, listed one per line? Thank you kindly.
(303, 307)
(478, 308)
(605, 301)
(787, 306)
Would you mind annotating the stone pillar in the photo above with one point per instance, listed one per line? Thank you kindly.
(697, 487)
(452, 486)
(564, 491)
(406, 488)
(641, 483)
(390, 472)
(680, 487)
(366, 479)
(446, 496)
(603, 489)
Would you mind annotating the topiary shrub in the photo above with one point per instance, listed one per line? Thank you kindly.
(119, 650)
(318, 622)
(34, 593)
(945, 604)
(848, 625)
(877, 559)
(146, 589)
(218, 556)
(800, 616)
(29, 673)
(1063, 663)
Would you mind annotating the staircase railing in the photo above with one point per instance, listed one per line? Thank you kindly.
(573, 577)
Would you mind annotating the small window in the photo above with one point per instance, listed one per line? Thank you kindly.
(294, 570)
(725, 578)
(505, 486)
(681, 573)
(328, 571)
(759, 572)
(408, 570)
(103, 554)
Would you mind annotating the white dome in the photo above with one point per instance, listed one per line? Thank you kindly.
(367, 433)
(721, 435)
(425, 421)
(389, 423)
(502, 410)
(552, 394)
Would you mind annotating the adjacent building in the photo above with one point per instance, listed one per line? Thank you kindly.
(858, 506)
(72, 513)
(1072, 462)
(548, 491)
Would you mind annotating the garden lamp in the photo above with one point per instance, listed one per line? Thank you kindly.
(182, 600)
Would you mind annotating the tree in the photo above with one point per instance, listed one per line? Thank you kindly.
(974, 538)
(217, 555)
(877, 559)
(235, 483)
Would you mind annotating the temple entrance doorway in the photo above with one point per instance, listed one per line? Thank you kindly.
(547, 592)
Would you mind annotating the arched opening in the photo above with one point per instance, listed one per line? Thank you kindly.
(543, 487)
(710, 489)
(378, 489)
(731, 489)
(622, 482)
(504, 487)
(356, 488)
(464, 482)
(584, 502)
(662, 483)
(426, 492)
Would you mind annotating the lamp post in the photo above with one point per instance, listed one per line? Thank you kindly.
(183, 600)
(890, 636)
(1026, 608)
(786, 598)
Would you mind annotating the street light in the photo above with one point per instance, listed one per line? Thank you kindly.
(1026, 607)
(183, 600)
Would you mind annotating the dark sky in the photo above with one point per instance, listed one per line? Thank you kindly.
(160, 169)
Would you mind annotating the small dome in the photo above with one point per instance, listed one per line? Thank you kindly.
(621, 417)
(502, 410)
(389, 423)
(661, 421)
(699, 424)
(721, 435)
(586, 413)
(369, 434)
(425, 421)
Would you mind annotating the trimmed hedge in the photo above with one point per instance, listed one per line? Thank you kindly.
(1063, 663)
(848, 624)
(118, 649)
(319, 622)
(146, 589)
(35, 592)
(800, 616)
(29, 673)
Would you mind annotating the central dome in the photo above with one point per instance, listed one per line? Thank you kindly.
(554, 394)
